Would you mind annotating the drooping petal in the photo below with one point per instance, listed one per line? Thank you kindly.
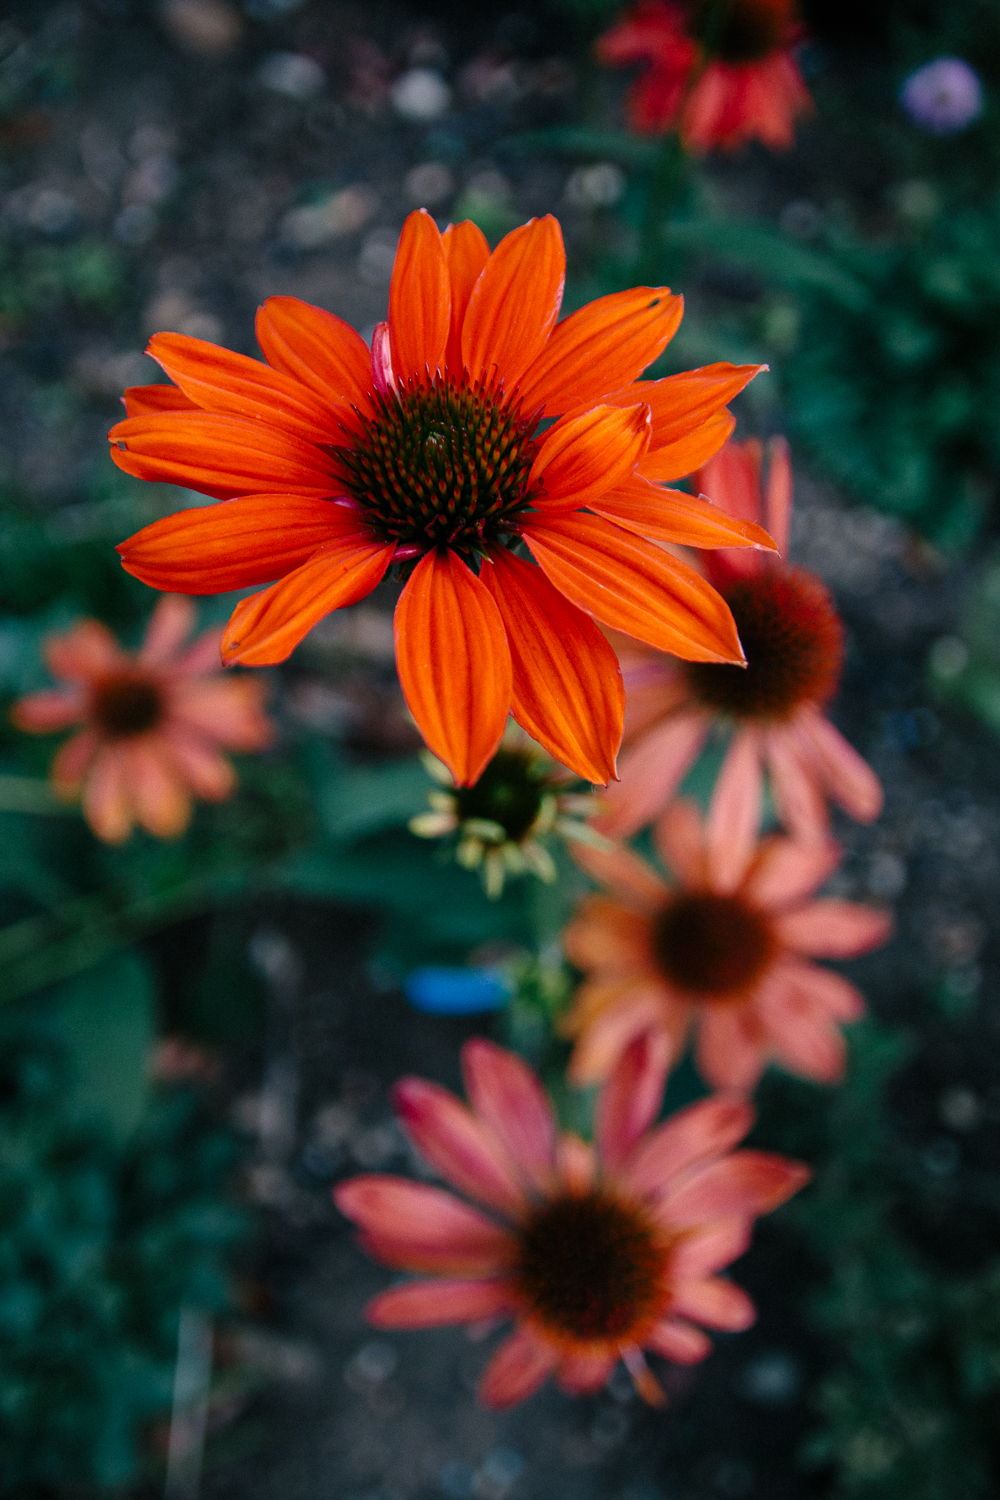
(634, 586)
(686, 454)
(710, 1248)
(517, 1369)
(733, 1047)
(744, 1183)
(803, 1035)
(426, 1225)
(602, 347)
(212, 549)
(508, 1096)
(419, 299)
(581, 457)
(716, 1303)
(778, 495)
(107, 805)
(220, 455)
(267, 627)
(833, 929)
(585, 1372)
(318, 349)
(679, 1341)
(672, 516)
(46, 711)
(142, 400)
(786, 870)
(734, 812)
(650, 773)
(466, 252)
(696, 1133)
(631, 1098)
(515, 303)
(156, 788)
(822, 987)
(170, 624)
(680, 842)
(203, 769)
(457, 1144)
(627, 875)
(567, 689)
(797, 791)
(851, 780)
(428, 1304)
(454, 663)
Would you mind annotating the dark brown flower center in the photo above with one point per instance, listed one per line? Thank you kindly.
(714, 947)
(444, 464)
(591, 1267)
(793, 642)
(127, 703)
(740, 31)
(509, 792)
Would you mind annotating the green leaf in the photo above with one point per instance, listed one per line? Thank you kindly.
(105, 1017)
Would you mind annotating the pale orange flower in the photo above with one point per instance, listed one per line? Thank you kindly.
(793, 640)
(152, 724)
(597, 1252)
(723, 953)
(436, 451)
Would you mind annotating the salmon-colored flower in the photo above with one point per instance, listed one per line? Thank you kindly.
(793, 639)
(721, 70)
(425, 451)
(598, 1252)
(724, 952)
(152, 724)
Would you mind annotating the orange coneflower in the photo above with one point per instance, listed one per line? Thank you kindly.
(426, 451)
(597, 1252)
(721, 70)
(151, 725)
(793, 639)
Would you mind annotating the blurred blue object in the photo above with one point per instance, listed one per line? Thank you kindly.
(438, 991)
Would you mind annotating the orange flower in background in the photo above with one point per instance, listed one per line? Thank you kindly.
(152, 724)
(598, 1252)
(724, 952)
(720, 70)
(793, 639)
(336, 461)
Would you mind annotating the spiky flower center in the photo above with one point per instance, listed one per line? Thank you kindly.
(794, 645)
(442, 464)
(509, 792)
(714, 947)
(592, 1267)
(127, 703)
(740, 31)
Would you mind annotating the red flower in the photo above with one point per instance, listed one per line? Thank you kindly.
(721, 70)
(336, 461)
(597, 1252)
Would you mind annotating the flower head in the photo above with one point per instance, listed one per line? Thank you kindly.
(723, 952)
(152, 724)
(720, 70)
(598, 1252)
(426, 452)
(500, 820)
(793, 640)
(944, 96)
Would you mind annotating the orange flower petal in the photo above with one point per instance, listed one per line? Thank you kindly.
(680, 403)
(142, 400)
(320, 350)
(219, 455)
(568, 692)
(672, 516)
(454, 663)
(635, 587)
(466, 252)
(603, 347)
(268, 626)
(685, 455)
(214, 548)
(583, 456)
(419, 299)
(515, 302)
(219, 380)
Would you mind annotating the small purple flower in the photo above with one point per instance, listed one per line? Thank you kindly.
(944, 96)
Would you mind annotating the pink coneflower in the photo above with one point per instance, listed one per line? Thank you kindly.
(793, 641)
(723, 953)
(597, 1252)
(151, 725)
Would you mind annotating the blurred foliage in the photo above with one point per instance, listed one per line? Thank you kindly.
(964, 669)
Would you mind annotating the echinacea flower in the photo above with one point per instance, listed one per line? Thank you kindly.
(793, 639)
(597, 1252)
(425, 451)
(499, 822)
(724, 952)
(151, 725)
(720, 70)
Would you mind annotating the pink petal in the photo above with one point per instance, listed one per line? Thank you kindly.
(517, 1369)
(746, 1183)
(731, 1049)
(423, 1225)
(170, 624)
(607, 1036)
(426, 1304)
(851, 780)
(650, 773)
(680, 842)
(716, 1303)
(204, 770)
(71, 761)
(778, 497)
(832, 991)
(584, 1374)
(506, 1094)
(203, 656)
(575, 1163)
(225, 710)
(106, 804)
(833, 929)
(681, 1342)
(625, 874)
(803, 1035)
(798, 797)
(694, 1134)
(709, 1249)
(88, 650)
(734, 812)
(631, 1098)
(457, 1144)
(786, 870)
(49, 710)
